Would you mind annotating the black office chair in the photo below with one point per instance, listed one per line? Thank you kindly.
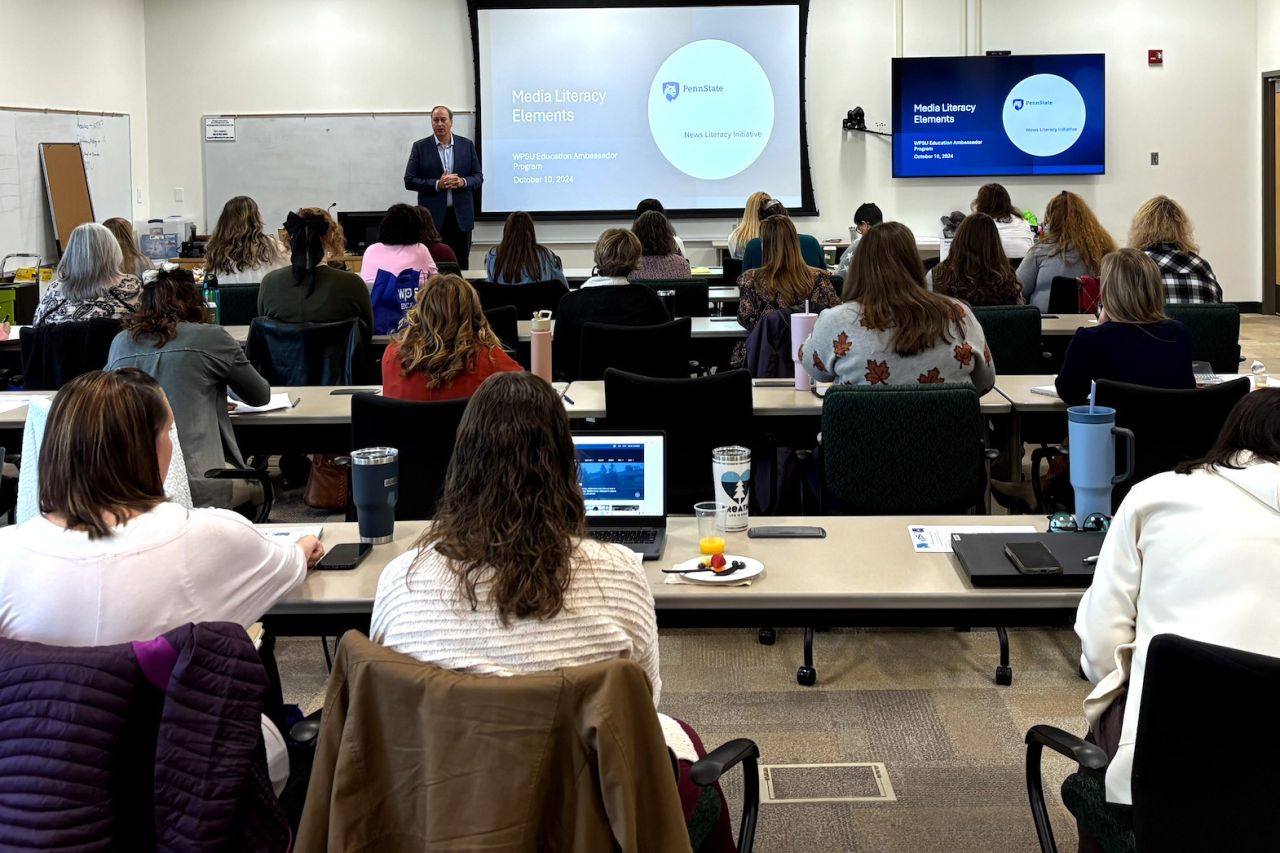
(869, 464)
(1205, 708)
(527, 298)
(697, 415)
(1015, 263)
(689, 299)
(308, 353)
(929, 263)
(1013, 336)
(1215, 332)
(1168, 426)
(55, 353)
(424, 433)
(661, 350)
(448, 268)
(238, 303)
(505, 324)
(732, 269)
(1064, 295)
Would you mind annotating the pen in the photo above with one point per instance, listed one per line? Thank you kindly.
(1089, 561)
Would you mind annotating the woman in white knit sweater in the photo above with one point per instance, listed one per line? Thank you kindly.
(1191, 552)
(505, 581)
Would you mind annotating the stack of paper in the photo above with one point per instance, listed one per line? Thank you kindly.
(278, 402)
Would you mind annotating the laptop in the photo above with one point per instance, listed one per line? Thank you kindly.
(624, 482)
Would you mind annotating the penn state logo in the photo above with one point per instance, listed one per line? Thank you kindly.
(671, 90)
(1017, 103)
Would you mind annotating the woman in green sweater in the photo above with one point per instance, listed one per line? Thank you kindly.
(309, 290)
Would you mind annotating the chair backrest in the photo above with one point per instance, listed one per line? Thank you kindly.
(690, 297)
(505, 322)
(424, 433)
(620, 305)
(899, 449)
(448, 268)
(929, 263)
(1064, 295)
(1215, 332)
(661, 350)
(55, 353)
(238, 303)
(1169, 426)
(527, 298)
(1205, 705)
(698, 415)
(732, 269)
(307, 353)
(1013, 336)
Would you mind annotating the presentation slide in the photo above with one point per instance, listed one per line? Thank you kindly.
(591, 110)
(999, 115)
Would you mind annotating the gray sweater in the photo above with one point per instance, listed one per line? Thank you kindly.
(1037, 271)
(195, 369)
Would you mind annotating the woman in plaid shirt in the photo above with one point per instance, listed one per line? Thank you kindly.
(1162, 229)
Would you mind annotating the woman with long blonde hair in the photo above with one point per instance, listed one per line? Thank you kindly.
(891, 330)
(445, 348)
(1162, 229)
(134, 262)
(1073, 245)
(784, 283)
(239, 250)
(1134, 340)
(749, 227)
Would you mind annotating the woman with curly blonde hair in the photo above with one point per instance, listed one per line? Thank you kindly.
(1162, 229)
(239, 250)
(445, 348)
(1073, 245)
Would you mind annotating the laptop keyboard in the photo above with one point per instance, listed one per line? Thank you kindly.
(625, 535)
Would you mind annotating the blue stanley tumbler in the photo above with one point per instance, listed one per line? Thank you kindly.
(375, 486)
(1093, 457)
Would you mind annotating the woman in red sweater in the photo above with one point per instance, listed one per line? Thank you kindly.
(445, 348)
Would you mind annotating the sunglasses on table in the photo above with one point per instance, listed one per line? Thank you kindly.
(1065, 522)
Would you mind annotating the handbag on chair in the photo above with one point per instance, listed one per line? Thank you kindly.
(327, 484)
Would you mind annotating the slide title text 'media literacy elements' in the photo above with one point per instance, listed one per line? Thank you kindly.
(558, 96)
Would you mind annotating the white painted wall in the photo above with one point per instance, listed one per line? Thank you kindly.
(1268, 35)
(1199, 111)
(85, 55)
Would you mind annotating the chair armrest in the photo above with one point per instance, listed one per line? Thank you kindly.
(708, 770)
(305, 731)
(1079, 750)
(260, 475)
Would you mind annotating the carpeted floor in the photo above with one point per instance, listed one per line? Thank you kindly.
(921, 702)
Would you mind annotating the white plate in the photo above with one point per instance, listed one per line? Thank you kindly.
(754, 567)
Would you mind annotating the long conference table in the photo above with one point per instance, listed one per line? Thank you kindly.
(865, 573)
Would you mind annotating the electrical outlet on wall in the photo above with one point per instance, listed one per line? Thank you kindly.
(1155, 158)
(179, 194)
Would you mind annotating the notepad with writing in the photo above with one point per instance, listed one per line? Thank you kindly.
(1045, 390)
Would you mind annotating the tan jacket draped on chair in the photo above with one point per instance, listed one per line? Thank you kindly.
(414, 757)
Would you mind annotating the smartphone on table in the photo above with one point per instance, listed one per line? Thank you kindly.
(344, 557)
(1032, 558)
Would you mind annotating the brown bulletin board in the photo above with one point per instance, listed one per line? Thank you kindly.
(67, 186)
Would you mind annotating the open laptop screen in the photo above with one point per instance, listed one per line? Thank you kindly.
(622, 475)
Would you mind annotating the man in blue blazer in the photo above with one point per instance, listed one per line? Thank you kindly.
(444, 170)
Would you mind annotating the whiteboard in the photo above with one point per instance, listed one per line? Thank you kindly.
(24, 209)
(285, 162)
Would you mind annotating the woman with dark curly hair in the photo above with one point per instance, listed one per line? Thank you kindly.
(195, 363)
(399, 246)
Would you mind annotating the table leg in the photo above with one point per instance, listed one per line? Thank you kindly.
(1015, 446)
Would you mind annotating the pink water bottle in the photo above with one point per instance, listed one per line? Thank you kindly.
(801, 329)
(540, 345)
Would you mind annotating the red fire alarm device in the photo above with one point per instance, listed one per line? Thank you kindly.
(1155, 57)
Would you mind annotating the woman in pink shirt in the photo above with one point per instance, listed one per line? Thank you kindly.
(399, 246)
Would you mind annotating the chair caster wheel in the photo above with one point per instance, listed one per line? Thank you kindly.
(768, 636)
(1004, 676)
(806, 676)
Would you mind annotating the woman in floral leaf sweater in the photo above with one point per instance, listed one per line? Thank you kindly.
(891, 330)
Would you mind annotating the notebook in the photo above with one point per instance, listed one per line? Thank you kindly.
(623, 476)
